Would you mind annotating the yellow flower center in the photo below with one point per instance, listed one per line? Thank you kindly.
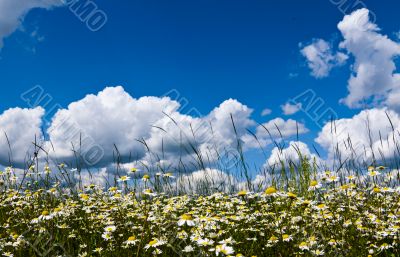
(187, 216)
(270, 190)
(242, 193)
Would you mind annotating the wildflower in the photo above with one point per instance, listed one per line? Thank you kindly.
(376, 190)
(168, 175)
(291, 195)
(124, 179)
(286, 238)
(271, 191)
(314, 185)
(242, 193)
(272, 239)
(351, 177)
(318, 252)
(188, 249)
(106, 236)
(98, 250)
(321, 206)
(145, 177)
(154, 243)
(333, 178)
(332, 242)
(385, 246)
(157, 251)
(110, 229)
(47, 169)
(303, 246)
(186, 219)
(131, 241)
(113, 189)
(224, 249)
(205, 242)
(373, 173)
(45, 216)
(133, 170)
(84, 197)
(149, 192)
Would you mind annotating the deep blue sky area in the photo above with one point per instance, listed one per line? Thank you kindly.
(207, 50)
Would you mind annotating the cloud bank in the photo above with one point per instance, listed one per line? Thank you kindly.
(112, 124)
(13, 12)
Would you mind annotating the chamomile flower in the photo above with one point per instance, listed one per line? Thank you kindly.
(373, 173)
(186, 219)
(271, 191)
(223, 249)
(124, 179)
(314, 185)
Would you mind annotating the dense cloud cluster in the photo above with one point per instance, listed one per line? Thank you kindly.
(12, 13)
(150, 129)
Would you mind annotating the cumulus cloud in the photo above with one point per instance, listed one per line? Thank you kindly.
(291, 154)
(112, 124)
(266, 112)
(99, 178)
(279, 127)
(289, 109)
(275, 130)
(203, 181)
(100, 126)
(21, 126)
(101, 122)
(375, 79)
(366, 136)
(12, 13)
(321, 58)
(177, 136)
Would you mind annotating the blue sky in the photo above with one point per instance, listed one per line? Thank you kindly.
(209, 51)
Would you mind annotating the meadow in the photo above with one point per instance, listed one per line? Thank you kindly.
(300, 208)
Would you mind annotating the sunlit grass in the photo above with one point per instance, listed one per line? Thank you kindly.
(331, 214)
(293, 208)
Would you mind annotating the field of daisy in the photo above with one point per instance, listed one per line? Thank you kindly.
(303, 212)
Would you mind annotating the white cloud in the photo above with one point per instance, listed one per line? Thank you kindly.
(207, 180)
(275, 130)
(321, 59)
(279, 127)
(289, 109)
(174, 140)
(266, 112)
(114, 118)
(375, 79)
(21, 127)
(291, 154)
(12, 13)
(110, 117)
(361, 137)
(99, 178)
